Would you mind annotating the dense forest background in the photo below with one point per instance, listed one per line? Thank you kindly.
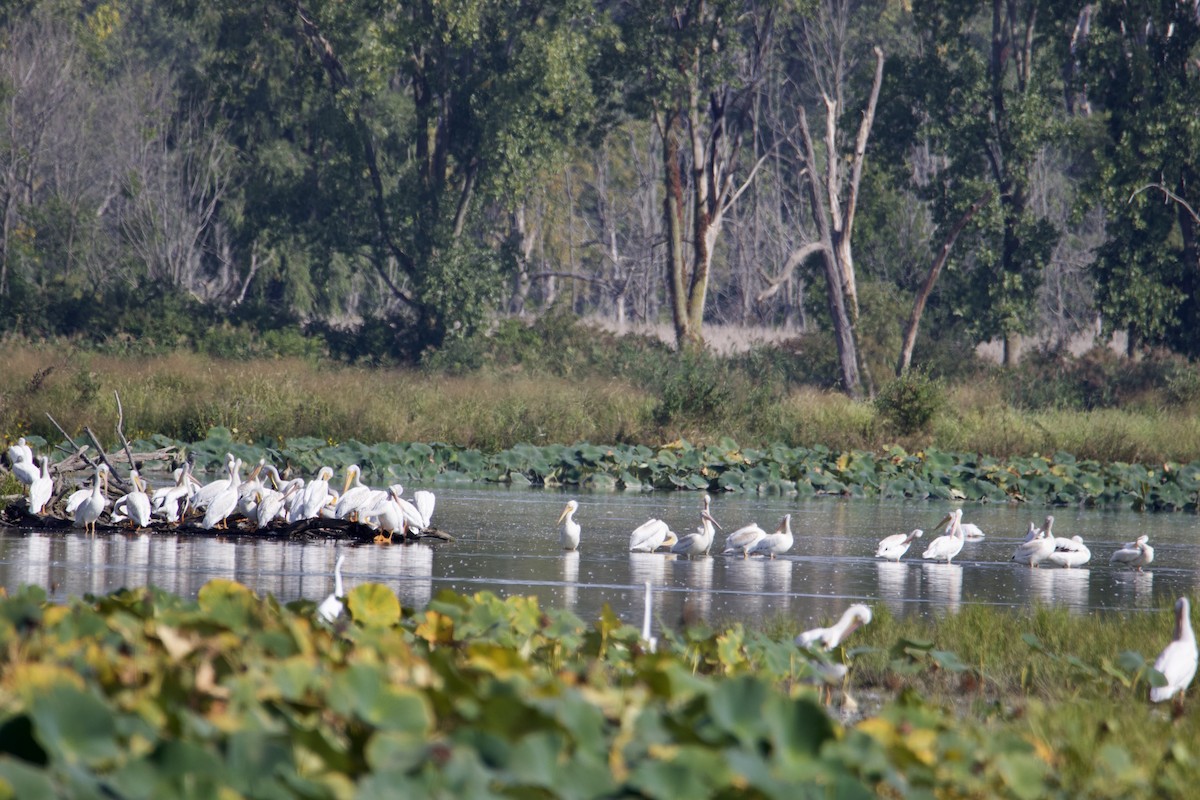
(897, 180)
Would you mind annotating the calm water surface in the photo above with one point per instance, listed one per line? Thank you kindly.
(506, 542)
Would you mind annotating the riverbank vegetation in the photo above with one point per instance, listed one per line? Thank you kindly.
(142, 694)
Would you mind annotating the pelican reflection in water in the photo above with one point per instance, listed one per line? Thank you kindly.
(696, 575)
(893, 584)
(1068, 587)
(570, 577)
(943, 585)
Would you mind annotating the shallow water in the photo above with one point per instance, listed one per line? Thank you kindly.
(506, 542)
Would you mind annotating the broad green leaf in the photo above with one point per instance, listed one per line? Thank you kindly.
(373, 605)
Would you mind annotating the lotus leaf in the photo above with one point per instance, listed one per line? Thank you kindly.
(373, 605)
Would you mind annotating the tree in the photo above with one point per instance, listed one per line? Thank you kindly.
(700, 63)
(1140, 61)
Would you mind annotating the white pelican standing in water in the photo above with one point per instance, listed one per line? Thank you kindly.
(972, 531)
(41, 489)
(777, 543)
(829, 638)
(894, 546)
(1069, 553)
(568, 531)
(741, 540)
(651, 535)
(1177, 662)
(92, 506)
(331, 607)
(1036, 550)
(950, 544)
(694, 544)
(1136, 554)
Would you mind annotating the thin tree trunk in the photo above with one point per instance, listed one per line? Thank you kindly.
(935, 269)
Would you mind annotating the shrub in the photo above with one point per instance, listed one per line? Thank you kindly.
(909, 403)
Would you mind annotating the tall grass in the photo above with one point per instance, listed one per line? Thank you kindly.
(183, 394)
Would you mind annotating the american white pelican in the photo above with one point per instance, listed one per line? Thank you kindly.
(41, 489)
(568, 531)
(314, 497)
(204, 495)
(694, 544)
(741, 540)
(331, 607)
(777, 543)
(356, 496)
(79, 495)
(26, 471)
(425, 501)
(165, 501)
(20, 451)
(949, 544)
(1032, 533)
(92, 506)
(650, 535)
(1037, 549)
(136, 504)
(853, 617)
(1177, 662)
(1135, 554)
(224, 503)
(1069, 552)
(972, 531)
(894, 546)
(388, 516)
(248, 491)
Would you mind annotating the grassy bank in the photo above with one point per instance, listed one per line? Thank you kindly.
(182, 395)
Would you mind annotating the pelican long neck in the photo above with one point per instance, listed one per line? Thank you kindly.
(1183, 625)
(337, 578)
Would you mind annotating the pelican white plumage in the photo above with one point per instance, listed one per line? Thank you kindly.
(694, 544)
(21, 451)
(829, 638)
(224, 503)
(204, 494)
(1136, 554)
(135, 504)
(388, 516)
(314, 497)
(424, 501)
(741, 540)
(1177, 662)
(1037, 549)
(331, 607)
(651, 535)
(894, 546)
(777, 543)
(568, 531)
(356, 496)
(949, 544)
(972, 531)
(41, 489)
(79, 495)
(89, 510)
(25, 470)
(1069, 552)
(165, 501)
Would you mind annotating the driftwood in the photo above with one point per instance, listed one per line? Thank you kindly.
(17, 515)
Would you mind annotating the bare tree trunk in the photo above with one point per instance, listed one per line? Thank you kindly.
(935, 269)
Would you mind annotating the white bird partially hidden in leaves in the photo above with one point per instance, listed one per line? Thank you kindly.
(1136, 554)
(1177, 662)
(777, 543)
(568, 531)
(651, 641)
(950, 544)
(41, 489)
(894, 546)
(331, 607)
(829, 638)
(651, 535)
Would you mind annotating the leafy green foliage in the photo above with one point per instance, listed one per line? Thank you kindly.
(911, 401)
(139, 693)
